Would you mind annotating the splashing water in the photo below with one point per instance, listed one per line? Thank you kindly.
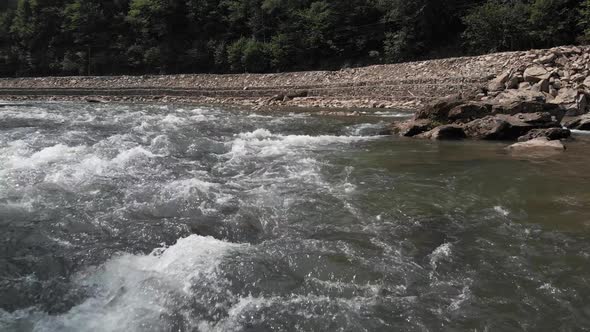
(178, 218)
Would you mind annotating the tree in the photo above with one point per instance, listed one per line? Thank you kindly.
(497, 26)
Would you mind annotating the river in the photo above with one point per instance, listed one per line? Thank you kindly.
(183, 218)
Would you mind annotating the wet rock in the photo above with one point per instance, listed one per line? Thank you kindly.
(549, 133)
(538, 119)
(581, 122)
(445, 132)
(538, 145)
(499, 127)
(440, 109)
(412, 127)
(469, 111)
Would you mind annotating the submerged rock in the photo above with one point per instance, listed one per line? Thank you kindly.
(538, 145)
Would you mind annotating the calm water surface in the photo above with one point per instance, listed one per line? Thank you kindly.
(180, 218)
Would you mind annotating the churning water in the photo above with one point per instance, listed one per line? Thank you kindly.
(149, 218)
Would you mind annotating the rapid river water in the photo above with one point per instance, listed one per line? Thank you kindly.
(183, 218)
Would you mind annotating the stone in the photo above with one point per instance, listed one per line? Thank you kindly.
(542, 86)
(96, 100)
(499, 83)
(587, 82)
(539, 119)
(547, 59)
(524, 85)
(469, 111)
(410, 128)
(549, 133)
(578, 78)
(513, 82)
(439, 110)
(538, 145)
(493, 128)
(535, 74)
(445, 132)
(580, 122)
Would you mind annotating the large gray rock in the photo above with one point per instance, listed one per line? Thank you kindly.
(469, 111)
(514, 82)
(573, 101)
(410, 128)
(439, 110)
(529, 107)
(581, 122)
(547, 59)
(538, 145)
(445, 132)
(549, 133)
(492, 128)
(535, 74)
(499, 83)
(507, 127)
(538, 119)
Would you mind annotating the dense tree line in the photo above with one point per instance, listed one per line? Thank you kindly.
(100, 37)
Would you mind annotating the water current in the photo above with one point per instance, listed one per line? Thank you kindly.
(184, 218)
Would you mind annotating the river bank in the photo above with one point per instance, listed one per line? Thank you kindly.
(400, 86)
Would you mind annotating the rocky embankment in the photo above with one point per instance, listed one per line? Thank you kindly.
(541, 97)
(400, 86)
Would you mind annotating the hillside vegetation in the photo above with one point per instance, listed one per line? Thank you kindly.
(108, 37)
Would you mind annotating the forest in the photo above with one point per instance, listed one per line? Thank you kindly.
(110, 37)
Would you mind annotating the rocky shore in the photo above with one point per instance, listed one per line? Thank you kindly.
(406, 86)
(540, 99)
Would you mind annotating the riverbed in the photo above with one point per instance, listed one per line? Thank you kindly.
(118, 217)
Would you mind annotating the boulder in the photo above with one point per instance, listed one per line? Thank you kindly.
(574, 102)
(445, 132)
(469, 111)
(510, 96)
(547, 59)
(535, 74)
(499, 83)
(412, 127)
(507, 127)
(538, 119)
(538, 145)
(587, 82)
(581, 122)
(542, 86)
(439, 110)
(578, 78)
(529, 107)
(490, 128)
(549, 133)
(513, 82)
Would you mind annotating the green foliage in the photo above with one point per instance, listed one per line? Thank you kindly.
(584, 22)
(101, 37)
(497, 26)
